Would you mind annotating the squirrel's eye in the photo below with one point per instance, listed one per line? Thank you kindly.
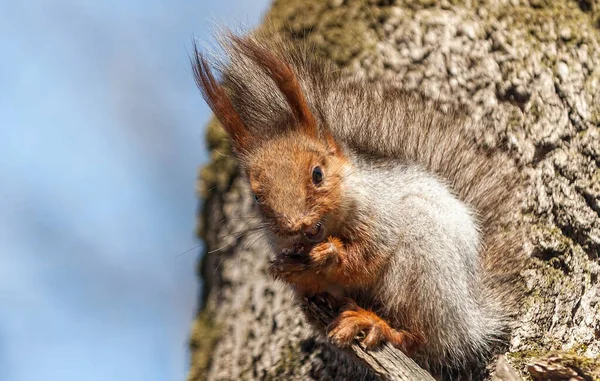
(317, 175)
(256, 198)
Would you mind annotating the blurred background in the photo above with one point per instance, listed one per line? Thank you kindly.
(101, 136)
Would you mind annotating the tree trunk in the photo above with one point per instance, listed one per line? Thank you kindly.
(533, 67)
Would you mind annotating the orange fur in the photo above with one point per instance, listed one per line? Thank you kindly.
(353, 321)
(350, 266)
(285, 163)
(221, 105)
(326, 264)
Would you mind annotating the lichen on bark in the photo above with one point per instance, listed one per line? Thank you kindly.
(533, 68)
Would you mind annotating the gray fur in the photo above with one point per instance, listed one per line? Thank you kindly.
(432, 282)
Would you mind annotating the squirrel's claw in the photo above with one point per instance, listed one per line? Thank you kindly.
(355, 323)
(374, 338)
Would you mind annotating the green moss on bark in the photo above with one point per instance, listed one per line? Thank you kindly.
(205, 334)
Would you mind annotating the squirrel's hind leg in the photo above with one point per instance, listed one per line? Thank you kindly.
(370, 329)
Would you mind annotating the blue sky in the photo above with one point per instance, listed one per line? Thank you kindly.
(101, 135)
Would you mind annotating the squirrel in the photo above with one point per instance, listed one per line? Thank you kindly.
(376, 197)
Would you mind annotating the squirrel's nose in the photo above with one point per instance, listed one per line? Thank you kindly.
(291, 225)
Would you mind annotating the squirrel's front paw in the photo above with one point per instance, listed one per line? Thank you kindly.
(294, 261)
(371, 330)
(288, 263)
(325, 253)
(295, 267)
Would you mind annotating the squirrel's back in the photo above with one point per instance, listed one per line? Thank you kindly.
(432, 282)
(387, 122)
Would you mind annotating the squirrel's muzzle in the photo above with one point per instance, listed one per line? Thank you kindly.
(315, 233)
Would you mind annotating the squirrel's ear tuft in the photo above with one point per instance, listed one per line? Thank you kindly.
(215, 96)
(284, 77)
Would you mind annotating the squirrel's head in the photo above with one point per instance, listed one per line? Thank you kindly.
(297, 183)
(296, 171)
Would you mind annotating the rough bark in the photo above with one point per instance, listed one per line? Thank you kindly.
(533, 67)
